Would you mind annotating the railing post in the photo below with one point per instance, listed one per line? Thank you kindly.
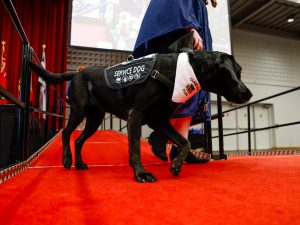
(208, 139)
(111, 121)
(54, 111)
(249, 130)
(61, 107)
(220, 126)
(47, 109)
(23, 123)
(60, 120)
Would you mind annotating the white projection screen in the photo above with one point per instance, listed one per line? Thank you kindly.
(114, 24)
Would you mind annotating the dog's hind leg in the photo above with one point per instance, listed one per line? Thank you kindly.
(94, 119)
(165, 127)
(134, 134)
(75, 118)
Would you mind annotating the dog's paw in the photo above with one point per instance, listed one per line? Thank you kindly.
(145, 177)
(81, 166)
(67, 161)
(176, 166)
(175, 171)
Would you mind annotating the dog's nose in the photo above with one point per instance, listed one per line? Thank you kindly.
(247, 95)
(244, 96)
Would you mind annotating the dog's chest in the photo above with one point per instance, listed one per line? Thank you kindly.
(130, 72)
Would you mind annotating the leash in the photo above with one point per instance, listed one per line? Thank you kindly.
(163, 79)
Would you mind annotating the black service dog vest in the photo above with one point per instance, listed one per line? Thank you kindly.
(130, 72)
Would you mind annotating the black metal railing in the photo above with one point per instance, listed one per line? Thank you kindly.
(249, 130)
(23, 103)
(220, 116)
(110, 117)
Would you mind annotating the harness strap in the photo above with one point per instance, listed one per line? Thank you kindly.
(163, 79)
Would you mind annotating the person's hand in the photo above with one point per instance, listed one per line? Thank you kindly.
(198, 42)
(214, 3)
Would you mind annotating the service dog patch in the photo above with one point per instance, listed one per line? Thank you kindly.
(130, 72)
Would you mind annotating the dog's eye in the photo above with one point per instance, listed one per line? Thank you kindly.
(238, 68)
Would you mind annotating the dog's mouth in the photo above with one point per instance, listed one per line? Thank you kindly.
(240, 97)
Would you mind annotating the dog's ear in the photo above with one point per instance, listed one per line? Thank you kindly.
(231, 58)
(222, 57)
(227, 62)
(182, 44)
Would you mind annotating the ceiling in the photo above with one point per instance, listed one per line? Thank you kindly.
(266, 16)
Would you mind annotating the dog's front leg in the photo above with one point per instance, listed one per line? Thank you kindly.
(134, 134)
(165, 127)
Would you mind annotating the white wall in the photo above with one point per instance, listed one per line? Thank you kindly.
(272, 65)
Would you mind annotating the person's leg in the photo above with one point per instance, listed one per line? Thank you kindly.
(182, 125)
(158, 143)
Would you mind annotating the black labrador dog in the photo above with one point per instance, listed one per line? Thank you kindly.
(148, 102)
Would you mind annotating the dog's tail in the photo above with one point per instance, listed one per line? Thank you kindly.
(53, 78)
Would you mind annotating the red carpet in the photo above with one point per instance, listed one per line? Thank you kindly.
(262, 190)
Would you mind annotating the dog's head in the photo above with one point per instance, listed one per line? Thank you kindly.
(219, 73)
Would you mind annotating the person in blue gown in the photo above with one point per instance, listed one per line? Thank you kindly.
(164, 22)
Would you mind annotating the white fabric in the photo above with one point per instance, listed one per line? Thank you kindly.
(186, 83)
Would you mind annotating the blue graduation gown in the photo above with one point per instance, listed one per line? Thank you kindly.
(164, 22)
(165, 16)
